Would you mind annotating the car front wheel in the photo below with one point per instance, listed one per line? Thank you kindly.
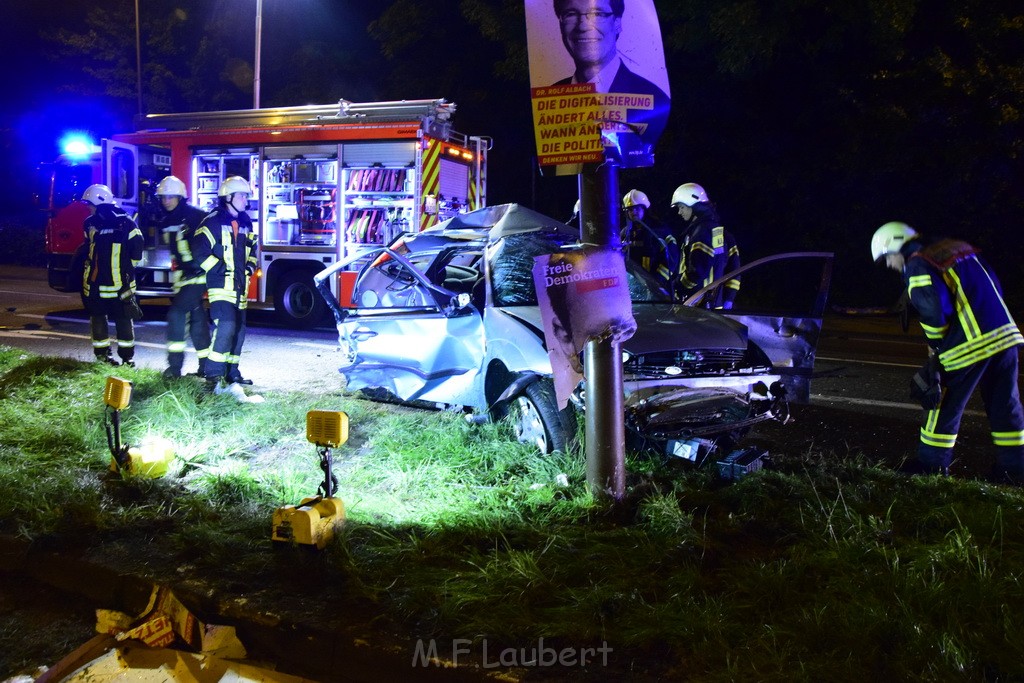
(536, 419)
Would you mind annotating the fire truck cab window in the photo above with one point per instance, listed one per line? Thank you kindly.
(122, 174)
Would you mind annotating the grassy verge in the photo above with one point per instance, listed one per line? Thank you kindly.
(821, 567)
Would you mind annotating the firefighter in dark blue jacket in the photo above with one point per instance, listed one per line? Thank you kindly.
(114, 247)
(224, 246)
(707, 250)
(970, 330)
(177, 226)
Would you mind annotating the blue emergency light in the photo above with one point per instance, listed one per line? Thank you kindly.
(78, 146)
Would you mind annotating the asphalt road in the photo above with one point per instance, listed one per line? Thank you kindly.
(39, 319)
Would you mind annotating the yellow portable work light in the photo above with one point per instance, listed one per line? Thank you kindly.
(313, 521)
(152, 458)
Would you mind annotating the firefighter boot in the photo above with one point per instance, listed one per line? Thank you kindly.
(107, 358)
(174, 362)
(233, 376)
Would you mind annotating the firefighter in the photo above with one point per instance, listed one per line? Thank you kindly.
(177, 226)
(114, 247)
(707, 250)
(646, 243)
(970, 331)
(224, 246)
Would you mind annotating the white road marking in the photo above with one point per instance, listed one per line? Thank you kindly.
(870, 362)
(23, 293)
(315, 345)
(880, 404)
(53, 334)
(138, 323)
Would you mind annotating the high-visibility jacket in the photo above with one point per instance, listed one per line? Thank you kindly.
(180, 226)
(708, 251)
(224, 246)
(114, 247)
(960, 301)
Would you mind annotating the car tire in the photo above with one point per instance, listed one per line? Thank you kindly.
(297, 302)
(537, 420)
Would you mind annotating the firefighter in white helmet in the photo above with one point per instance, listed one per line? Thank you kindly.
(707, 250)
(177, 227)
(973, 338)
(646, 242)
(224, 247)
(114, 247)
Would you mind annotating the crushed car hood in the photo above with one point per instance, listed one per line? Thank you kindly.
(664, 327)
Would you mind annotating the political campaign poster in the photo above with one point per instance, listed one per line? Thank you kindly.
(599, 87)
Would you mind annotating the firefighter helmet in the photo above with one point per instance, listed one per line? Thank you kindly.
(233, 184)
(98, 194)
(689, 194)
(635, 198)
(171, 186)
(889, 238)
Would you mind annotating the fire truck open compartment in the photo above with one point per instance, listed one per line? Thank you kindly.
(328, 181)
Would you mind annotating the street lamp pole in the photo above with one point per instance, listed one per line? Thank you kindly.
(256, 76)
(138, 56)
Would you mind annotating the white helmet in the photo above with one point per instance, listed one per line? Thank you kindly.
(635, 198)
(233, 184)
(98, 194)
(171, 186)
(576, 208)
(889, 238)
(689, 194)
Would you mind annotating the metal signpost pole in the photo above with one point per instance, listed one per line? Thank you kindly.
(602, 360)
(256, 64)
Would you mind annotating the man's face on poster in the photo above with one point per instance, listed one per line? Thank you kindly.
(590, 29)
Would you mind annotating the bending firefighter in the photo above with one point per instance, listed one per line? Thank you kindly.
(114, 247)
(225, 248)
(179, 224)
(707, 250)
(647, 243)
(970, 330)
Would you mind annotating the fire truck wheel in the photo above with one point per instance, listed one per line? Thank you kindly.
(296, 301)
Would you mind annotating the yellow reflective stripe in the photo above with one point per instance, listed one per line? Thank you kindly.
(987, 345)
(937, 440)
(208, 263)
(176, 347)
(215, 357)
(220, 294)
(934, 332)
(918, 281)
(963, 306)
(203, 353)
(104, 344)
(700, 246)
(1008, 438)
(733, 284)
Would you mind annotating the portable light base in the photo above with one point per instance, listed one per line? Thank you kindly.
(314, 521)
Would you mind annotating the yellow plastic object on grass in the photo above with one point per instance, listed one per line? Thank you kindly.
(151, 459)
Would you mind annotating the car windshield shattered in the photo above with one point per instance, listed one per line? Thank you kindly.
(448, 317)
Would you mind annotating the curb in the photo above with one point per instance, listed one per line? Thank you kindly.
(355, 652)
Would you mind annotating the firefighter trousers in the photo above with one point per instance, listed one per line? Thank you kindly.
(996, 378)
(187, 312)
(228, 337)
(125, 329)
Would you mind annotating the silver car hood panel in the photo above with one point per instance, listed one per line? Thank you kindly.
(663, 327)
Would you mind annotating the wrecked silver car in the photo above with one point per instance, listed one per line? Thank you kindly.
(449, 317)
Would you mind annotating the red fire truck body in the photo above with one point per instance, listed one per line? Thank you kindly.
(328, 181)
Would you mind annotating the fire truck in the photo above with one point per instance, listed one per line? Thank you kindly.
(329, 182)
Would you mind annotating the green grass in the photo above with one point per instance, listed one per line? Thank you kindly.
(823, 567)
